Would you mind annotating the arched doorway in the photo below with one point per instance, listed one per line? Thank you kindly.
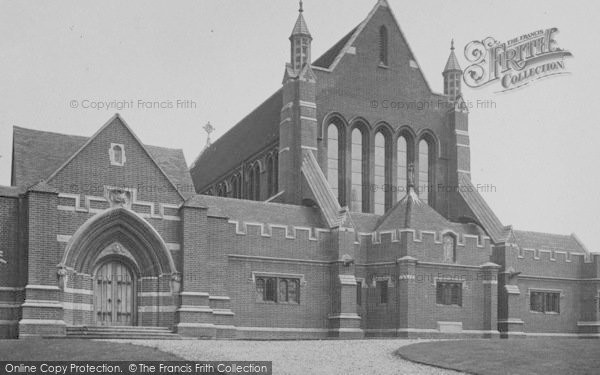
(117, 271)
(114, 295)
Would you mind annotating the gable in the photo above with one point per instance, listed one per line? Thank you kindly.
(38, 154)
(90, 168)
(360, 50)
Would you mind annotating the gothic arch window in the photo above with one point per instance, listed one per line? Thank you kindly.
(449, 246)
(236, 187)
(424, 171)
(334, 159)
(117, 154)
(270, 175)
(275, 181)
(381, 173)
(383, 45)
(357, 154)
(254, 182)
(222, 189)
(402, 165)
(250, 183)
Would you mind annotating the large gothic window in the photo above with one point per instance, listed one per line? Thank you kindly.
(333, 159)
(356, 198)
(424, 188)
(402, 163)
(383, 45)
(380, 173)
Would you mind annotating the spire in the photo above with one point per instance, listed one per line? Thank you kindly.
(300, 42)
(452, 63)
(300, 28)
(452, 75)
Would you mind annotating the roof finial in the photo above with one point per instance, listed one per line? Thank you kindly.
(208, 128)
(301, 9)
(452, 44)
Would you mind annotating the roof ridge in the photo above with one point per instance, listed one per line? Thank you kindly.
(545, 233)
(48, 132)
(84, 136)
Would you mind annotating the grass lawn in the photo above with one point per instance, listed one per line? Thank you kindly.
(545, 356)
(78, 350)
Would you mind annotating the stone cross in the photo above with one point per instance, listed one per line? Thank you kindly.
(411, 175)
(208, 128)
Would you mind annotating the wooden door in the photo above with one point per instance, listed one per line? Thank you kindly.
(114, 295)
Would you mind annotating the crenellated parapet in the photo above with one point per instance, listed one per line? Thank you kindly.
(290, 232)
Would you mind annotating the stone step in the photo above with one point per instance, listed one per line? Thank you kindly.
(122, 332)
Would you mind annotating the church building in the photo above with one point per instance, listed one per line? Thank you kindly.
(341, 207)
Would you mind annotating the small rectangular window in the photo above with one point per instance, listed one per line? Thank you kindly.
(277, 289)
(359, 293)
(382, 287)
(544, 302)
(449, 293)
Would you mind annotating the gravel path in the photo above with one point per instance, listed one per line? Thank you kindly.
(302, 357)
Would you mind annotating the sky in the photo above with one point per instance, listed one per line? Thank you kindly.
(216, 60)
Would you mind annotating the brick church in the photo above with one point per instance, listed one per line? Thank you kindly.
(320, 214)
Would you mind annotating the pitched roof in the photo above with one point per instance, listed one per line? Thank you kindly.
(410, 212)
(172, 161)
(37, 154)
(483, 213)
(300, 28)
(452, 63)
(329, 56)
(257, 130)
(539, 240)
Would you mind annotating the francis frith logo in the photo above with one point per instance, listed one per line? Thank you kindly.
(515, 63)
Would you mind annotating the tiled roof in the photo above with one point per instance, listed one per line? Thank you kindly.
(539, 240)
(415, 214)
(256, 131)
(328, 57)
(452, 63)
(483, 213)
(37, 154)
(263, 212)
(172, 161)
(300, 28)
(365, 222)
